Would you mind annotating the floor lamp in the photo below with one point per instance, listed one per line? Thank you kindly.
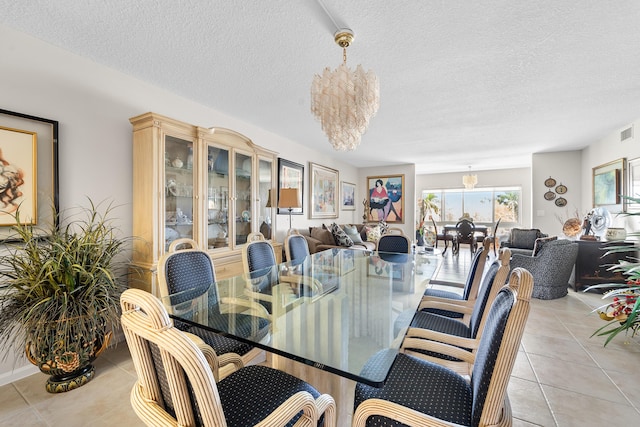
(289, 199)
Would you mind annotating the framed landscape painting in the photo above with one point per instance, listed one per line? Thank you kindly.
(608, 185)
(386, 201)
(348, 196)
(323, 202)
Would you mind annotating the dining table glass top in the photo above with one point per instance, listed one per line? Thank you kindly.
(333, 310)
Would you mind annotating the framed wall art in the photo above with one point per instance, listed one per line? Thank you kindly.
(348, 196)
(386, 201)
(29, 163)
(323, 202)
(633, 167)
(291, 175)
(608, 185)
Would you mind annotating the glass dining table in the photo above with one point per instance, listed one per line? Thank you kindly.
(329, 312)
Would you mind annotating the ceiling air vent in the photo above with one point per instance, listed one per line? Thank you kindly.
(626, 134)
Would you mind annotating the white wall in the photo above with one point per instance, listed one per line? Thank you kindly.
(93, 104)
(565, 168)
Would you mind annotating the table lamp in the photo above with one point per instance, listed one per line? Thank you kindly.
(289, 199)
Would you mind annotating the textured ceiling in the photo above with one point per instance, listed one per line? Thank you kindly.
(481, 84)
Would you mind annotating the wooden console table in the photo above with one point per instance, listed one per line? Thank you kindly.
(592, 264)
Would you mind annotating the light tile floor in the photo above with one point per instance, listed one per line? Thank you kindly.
(562, 377)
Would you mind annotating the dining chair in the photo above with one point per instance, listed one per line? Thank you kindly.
(177, 379)
(423, 393)
(296, 248)
(186, 274)
(464, 333)
(442, 236)
(465, 234)
(260, 267)
(469, 288)
(394, 240)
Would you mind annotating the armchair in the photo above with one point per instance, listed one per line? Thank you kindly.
(551, 267)
(522, 241)
(176, 379)
(422, 393)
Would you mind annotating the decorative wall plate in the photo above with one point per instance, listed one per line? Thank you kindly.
(549, 195)
(561, 189)
(550, 182)
(561, 201)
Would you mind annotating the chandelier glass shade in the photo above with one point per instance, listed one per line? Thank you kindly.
(469, 180)
(344, 100)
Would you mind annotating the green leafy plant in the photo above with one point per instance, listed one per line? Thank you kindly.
(622, 313)
(62, 284)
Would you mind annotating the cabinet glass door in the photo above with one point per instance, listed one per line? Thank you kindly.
(178, 178)
(242, 199)
(267, 200)
(217, 198)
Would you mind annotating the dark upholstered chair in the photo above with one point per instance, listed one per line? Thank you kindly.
(186, 274)
(260, 267)
(296, 248)
(551, 267)
(178, 379)
(470, 287)
(422, 393)
(465, 234)
(394, 240)
(466, 332)
(522, 240)
(442, 236)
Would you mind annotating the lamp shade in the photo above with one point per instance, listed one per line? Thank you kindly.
(289, 198)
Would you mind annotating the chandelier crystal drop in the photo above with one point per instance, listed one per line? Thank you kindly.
(469, 180)
(344, 100)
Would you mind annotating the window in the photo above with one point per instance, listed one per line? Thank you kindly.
(484, 205)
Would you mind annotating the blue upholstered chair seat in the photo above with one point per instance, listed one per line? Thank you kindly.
(260, 388)
(432, 390)
(439, 293)
(438, 323)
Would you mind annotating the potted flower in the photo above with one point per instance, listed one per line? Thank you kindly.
(622, 312)
(61, 298)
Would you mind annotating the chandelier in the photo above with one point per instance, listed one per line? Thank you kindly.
(469, 180)
(344, 100)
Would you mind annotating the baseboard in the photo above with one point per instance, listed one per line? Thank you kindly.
(18, 374)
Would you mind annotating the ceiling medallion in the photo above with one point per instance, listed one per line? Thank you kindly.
(344, 100)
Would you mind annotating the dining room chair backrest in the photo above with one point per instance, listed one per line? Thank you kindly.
(474, 277)
(176, 382)
(258, 254)
(465, 230)
(495, 277)
(296, 248)
(187, 269)
(394, 242)
(498, 348)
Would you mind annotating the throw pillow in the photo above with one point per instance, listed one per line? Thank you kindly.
(352, 231)
(524, 239)
(384, 227)
(340, 236)
(541, 242)
(323, 235)
(373, 233)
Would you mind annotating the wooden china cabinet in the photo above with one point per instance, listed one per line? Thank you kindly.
(210, 185)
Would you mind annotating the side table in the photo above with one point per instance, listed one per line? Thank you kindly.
(592, 263)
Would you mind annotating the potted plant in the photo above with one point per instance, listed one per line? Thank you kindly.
(623, 312)
(62, 284)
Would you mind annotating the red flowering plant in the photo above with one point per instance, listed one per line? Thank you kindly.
(622, 313)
